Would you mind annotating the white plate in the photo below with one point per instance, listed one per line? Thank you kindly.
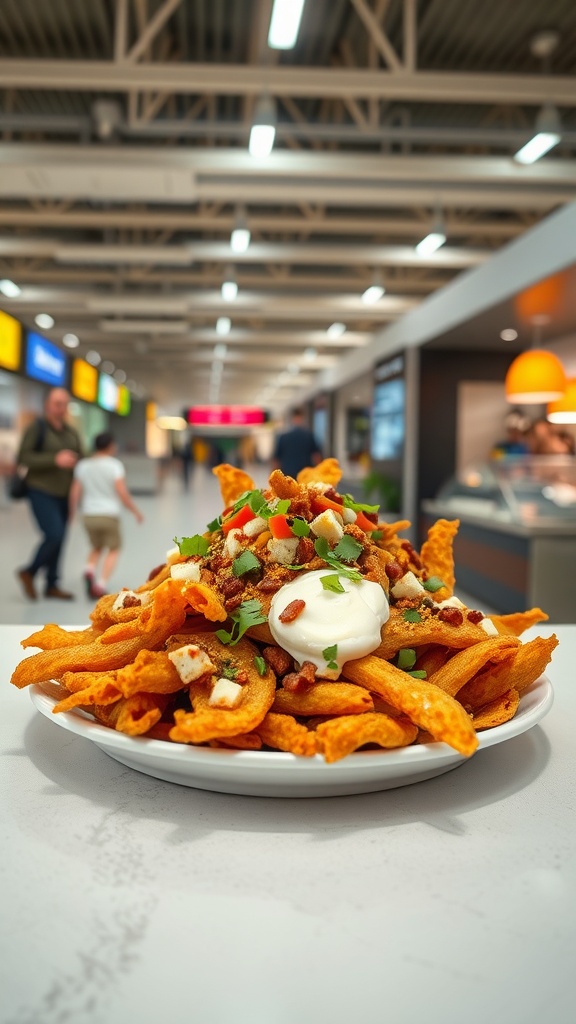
(263, 773)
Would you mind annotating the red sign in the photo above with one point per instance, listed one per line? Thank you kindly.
(224, 415)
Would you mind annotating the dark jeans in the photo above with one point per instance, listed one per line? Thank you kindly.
(51, 514)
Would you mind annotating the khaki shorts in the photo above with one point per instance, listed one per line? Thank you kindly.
(103, 531)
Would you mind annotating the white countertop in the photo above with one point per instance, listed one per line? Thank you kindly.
(127, 899)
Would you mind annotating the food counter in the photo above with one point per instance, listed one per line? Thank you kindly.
(128, 898)
(516, 545)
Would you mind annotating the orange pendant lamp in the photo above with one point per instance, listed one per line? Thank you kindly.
(535, 376)
(564, 409)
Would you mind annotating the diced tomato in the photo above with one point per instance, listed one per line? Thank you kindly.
(279, 527)
(364, 523)
(238, 520)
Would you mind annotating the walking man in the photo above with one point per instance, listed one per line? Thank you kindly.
(50, 448)
(296, 447)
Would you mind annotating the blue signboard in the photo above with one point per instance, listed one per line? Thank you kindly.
(45, 361)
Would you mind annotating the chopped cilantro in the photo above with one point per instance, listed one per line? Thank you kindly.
(406, 658)
(411, 615)
(196, 545)
(322, 549)
(376, 534)
(300, 528)
(329, 654)
(248, 614)
(260, 507)
(357, 506)
(418, 673)
(215, 524)
(332, 583)
(433, 583)
(260, 664)
(348, 549)
(245, 562)
(229, 670)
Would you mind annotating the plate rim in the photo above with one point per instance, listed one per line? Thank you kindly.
(537, 698)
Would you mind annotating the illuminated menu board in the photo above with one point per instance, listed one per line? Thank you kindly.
(84, 383)
(124, 400)
(45, 361)
(10, 342)
(107, 393)
(225, 415)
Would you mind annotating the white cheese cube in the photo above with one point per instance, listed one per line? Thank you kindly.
(173, 555)
(348, 515)
(190, 662)
(233, 544)
(283, 551)
(225, 693)
(144, 598)
(488, 626)
(189, 571)
(320, 486)
(329, 525)
(407, 586)
(255, 526)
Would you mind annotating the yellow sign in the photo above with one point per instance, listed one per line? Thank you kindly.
(84, 380)
(123, 400)
(151, 411)
(10, 342)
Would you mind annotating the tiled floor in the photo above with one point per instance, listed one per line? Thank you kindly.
(173, 512)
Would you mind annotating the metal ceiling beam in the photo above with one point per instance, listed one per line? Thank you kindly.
(282, 80)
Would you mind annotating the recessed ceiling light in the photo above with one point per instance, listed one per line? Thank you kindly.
(107, 367)
(9, 288)
(44, 320)
(223, 325)
(94, 358)
(119, 376)
(71, 340)
(508, 334)
(336, 330)
(284, 24)
(372, 294)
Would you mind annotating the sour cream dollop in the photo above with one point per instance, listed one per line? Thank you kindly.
(352, 620)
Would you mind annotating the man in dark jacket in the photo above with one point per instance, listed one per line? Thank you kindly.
(50, 448)
(296, 448)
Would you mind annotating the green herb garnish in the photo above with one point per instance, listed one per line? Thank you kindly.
(357, 506)
(376, 534)
(332, 583)
(433, 583)
(248, 614)
(329, 654)
(348, 549)
(260, 664)
(214, 525)
(300, 528)
(324, 552)
(418, 673)
(245, 562)
(411, 615)
(196, 545)
(406, 658)
(229, 670)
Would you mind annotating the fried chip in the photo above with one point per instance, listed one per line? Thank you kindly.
(102, 691)
(326, 472)
(150, 672)
(324, 699)
(132, 715)
(233, 482)
(517, 622)
(425, 704)
(244, 741)
(528, 664)
(467, 663)
(205, 722)
(51, 637)
(339, 737)
(497, 711)
(283, 732)
(398, 633)
(437, 555)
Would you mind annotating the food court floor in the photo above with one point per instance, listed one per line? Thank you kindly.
(172, 512)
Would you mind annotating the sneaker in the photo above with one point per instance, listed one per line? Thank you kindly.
(27, 580)
(97, 591)
(63, 595)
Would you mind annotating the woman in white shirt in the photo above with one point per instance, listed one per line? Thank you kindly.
(99, 489)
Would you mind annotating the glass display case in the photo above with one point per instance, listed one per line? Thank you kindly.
(534, 490)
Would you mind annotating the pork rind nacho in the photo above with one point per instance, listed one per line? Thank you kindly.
(297, 621)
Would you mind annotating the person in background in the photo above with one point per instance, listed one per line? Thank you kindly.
(515, 442)
(99, 490)
(296, 447)
(50, 449)
(546, 439)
